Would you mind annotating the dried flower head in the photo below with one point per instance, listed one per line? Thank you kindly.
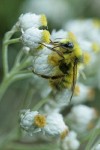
(33, 37)
(71, 142)
(55, 125)
(30, 20)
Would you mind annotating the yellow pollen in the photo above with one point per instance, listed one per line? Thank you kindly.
(54, 59)
(43, 20)
(40, 121)
(46, 36)
(90, 125)
(71, 36)
(77, 90)
(64, 134)
(78, 51)
(96, 23)
(95, 47)
(91, 94)
(87, 58)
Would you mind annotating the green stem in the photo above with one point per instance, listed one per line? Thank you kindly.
(18, 146)
(18, 58)
(7, 36)
(28, 98)
(93, 136)
(94, 146)
(12, 41)
(21, 76)
(6, 139)
(3, 87)
(10, 79)
(5, 59)
(40, 104)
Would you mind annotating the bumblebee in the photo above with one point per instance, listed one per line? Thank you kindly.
(68, 62)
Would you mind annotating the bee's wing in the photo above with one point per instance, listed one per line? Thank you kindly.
(74, 79)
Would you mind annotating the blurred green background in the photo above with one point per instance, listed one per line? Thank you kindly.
(57, 12)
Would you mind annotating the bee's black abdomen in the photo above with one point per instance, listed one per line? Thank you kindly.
(64, 68)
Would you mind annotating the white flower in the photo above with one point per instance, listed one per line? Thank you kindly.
(51, 12)
(85, 29)
(82, 93)
(58, 35)
(81, 117)
(41, 64)
(51, 124)
(30, 20)
(26, 50)
(32, 37)
(31, 121)
(62, 98)
(55, 125)
(71, 142)
(42, 88)
(97, 147)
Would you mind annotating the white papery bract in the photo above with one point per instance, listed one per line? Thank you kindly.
(81, 116)
(55, 125)
(30, 20)
(32, 121)
(26, 50)
(41, 85)
(58, 35)
(32, 37)
(27, 121)
(82, 93)
(71, 142)
(50, 124)
(51, 12)
(41, 64)
(85, 29)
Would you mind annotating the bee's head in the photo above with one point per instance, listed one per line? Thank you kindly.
(68, 46)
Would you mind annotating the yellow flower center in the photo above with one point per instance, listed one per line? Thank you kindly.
(96, 23)
(87, 58)
(72, 36)
(40, 121)
(43, 20)
(77, 90)
(46, 36)
(95, 47)
(64, 134)
(91, 94)
(90, 125)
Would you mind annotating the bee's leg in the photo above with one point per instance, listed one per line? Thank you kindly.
(74, 79)
(48, 77)
(53, 49)
(54, 43)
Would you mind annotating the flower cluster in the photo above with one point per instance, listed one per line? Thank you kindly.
(61, 58)
(63, 67)
(71, 142)
(52, 124)
(82, 116)
(33, 29)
